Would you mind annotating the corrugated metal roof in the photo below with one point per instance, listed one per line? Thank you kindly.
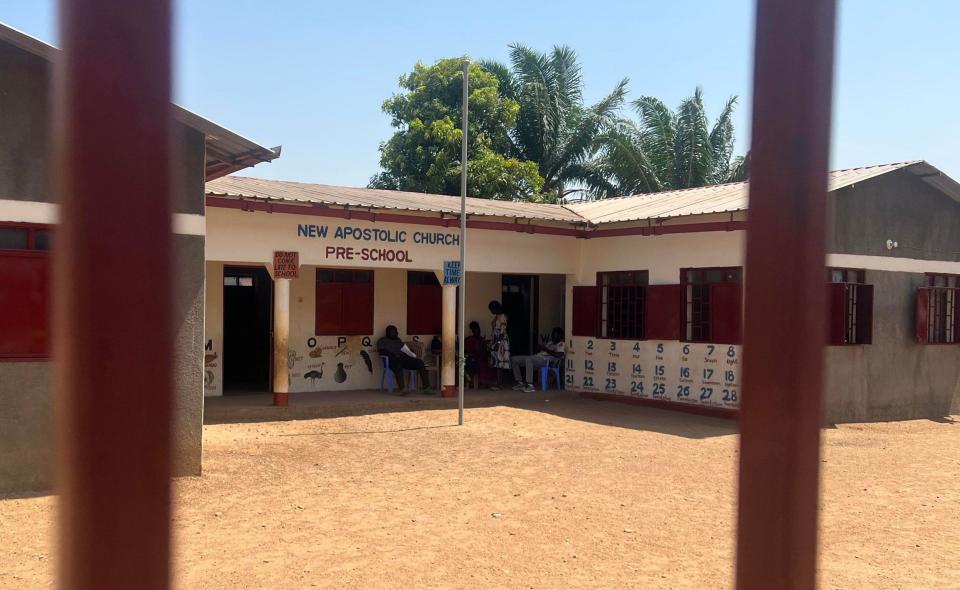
(722, 198)
(299, 192)
(227, 151)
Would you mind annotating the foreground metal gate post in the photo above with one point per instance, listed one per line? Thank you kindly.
(784, 336)
(113, 321)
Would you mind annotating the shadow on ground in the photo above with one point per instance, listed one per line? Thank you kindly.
(318, 405)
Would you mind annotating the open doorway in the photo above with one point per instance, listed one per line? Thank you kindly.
(519, 298)
(247, 329)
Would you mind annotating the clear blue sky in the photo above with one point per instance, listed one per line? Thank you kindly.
(311, 75)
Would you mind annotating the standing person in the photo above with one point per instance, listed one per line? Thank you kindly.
(401, 357)
(552, 350)
(499, 342)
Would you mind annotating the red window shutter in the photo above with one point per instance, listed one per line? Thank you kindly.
(585, 311)
(837, 320)
(864, 313)
(923, 310)
(725, 313)
(424, 309)
(329, 309)
(662, 312)
(357, 308)
(24, 312)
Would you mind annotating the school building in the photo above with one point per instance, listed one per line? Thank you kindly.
(285, 287)
(648, 288)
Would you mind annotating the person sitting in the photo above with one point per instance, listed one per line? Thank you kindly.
(552, 350)
(401, 358)
(475, 352)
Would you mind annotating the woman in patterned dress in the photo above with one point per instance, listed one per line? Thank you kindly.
(499, 342)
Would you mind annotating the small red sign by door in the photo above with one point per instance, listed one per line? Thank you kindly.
(286, 265)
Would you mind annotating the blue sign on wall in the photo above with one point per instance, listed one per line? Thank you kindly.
(451, 272)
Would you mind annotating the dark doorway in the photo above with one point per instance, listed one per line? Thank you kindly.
(519, 299)
(247, 329)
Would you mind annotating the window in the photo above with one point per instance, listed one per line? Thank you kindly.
(424, 303)
(24, 292)
(711, 304)
(622, 303)
(850, 302)
(344, 305)
(237, 281)
(584, 311)
(938, 310)
(942, 280)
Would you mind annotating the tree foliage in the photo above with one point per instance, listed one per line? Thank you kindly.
(554, 128)
(423, 155)
(666, 149)
(532, 138)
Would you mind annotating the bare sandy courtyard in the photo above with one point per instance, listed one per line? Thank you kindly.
(530, 494)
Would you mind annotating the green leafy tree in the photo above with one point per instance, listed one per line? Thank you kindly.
(423, 155)
(554, 128)
(666, 150)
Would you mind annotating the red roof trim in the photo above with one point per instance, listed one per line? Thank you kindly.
(321, 211)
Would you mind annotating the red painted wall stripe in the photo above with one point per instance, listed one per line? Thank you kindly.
(780, 410)
(113, 320)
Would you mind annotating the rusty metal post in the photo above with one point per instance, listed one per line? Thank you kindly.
(784, 334)
(112, 292)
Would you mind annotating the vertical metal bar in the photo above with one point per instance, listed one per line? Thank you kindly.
(461, 361)
(780, 416)
(113, 320)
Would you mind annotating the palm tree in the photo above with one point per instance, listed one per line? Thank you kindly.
(554, 128)
(666, 150)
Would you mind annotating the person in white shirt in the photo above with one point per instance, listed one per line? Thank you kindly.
(534, 362)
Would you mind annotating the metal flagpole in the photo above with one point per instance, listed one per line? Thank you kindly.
(461, 360)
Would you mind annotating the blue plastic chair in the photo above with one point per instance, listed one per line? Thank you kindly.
(553, 365)
(388, 376)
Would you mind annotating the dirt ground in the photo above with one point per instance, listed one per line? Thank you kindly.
(538, 494)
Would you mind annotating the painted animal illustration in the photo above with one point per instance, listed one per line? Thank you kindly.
(366, 360)
(209, 359)
(316, 352)
(314, 376)
(341, 375)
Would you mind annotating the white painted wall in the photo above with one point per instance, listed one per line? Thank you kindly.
(482, 288)
(552, 301)
(663, 256)
(238, 236)
(213, 330)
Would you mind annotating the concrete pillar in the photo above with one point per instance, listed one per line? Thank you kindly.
(448, 369)
(281, 341)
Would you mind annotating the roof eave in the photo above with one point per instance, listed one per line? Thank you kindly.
(226, 160)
